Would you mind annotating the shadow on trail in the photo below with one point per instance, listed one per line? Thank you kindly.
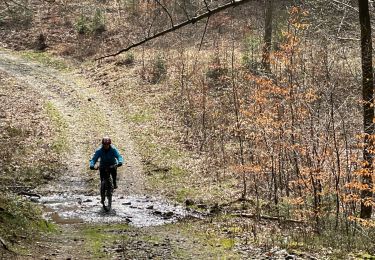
(139, 211)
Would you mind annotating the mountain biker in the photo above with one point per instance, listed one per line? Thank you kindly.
(109, 156)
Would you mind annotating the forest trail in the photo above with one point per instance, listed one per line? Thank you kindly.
(87, 116)
(72, 200)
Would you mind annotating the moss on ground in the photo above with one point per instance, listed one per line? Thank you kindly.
(99, 236)
(46, 59)
(60, 143)
(21, 222)
(140, 117)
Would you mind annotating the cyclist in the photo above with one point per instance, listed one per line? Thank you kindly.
(109, 156)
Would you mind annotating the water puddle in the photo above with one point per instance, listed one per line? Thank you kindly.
(139, 211)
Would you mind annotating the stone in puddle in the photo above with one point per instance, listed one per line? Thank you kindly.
(202, 206)
(126, 203)
(189, 202)
(168, 214)
(119, 249)
(150, 207)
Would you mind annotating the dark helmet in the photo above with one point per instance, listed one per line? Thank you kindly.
(106, 140)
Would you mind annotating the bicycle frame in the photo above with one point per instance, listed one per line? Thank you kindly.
(106, 186)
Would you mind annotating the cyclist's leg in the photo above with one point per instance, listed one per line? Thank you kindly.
(114, 177)
(102, 188)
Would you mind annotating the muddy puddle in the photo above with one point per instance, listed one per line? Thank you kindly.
(139, 211)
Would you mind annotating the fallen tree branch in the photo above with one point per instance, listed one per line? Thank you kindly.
(180, 25)
(16, 187)
(29, 194)
(346, 5)
(244, 215)
(241, 200)
(6, 2)
(4, 245)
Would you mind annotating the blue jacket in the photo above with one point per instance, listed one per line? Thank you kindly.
(107, 158)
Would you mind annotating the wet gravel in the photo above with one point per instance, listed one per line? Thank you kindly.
(139, 211)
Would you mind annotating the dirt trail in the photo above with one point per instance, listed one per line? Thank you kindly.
(87, 122)
(88, 115)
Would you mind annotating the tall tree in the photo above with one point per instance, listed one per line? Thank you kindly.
(368, 108)
(268, 14)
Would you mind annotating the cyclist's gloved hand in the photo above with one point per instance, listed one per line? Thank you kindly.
(92, 167)
(119, 164)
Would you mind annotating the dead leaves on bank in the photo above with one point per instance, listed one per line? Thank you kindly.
(25, 135)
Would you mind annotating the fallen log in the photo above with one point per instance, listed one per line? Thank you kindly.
(4, 245)
(29, 194)
(246, 215)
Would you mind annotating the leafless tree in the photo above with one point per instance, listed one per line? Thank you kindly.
(368, 106)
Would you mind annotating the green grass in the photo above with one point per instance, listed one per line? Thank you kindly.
(226, 243)
(21, 220)
(209, 242)
(14, 132)
(141, 117)
(45, 59)
(60, 143)
(170, 153)
(183, 193)
(98, 236)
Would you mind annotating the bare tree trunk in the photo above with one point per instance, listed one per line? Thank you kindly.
(368, 110)
(238, 126)
(204, 117)
(267, 36)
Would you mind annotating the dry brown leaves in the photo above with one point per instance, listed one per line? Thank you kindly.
(25, 135)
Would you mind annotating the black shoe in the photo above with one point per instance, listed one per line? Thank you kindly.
(115, 186)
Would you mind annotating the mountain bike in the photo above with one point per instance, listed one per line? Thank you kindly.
(106, 186)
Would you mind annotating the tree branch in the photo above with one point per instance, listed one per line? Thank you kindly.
(244, 215)
(184, 9)
(16, 3)
(345, 4)
(4, 245)
(204, 33)
(151, 24)
(180, 25)
(165, 10)
(208, 9)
